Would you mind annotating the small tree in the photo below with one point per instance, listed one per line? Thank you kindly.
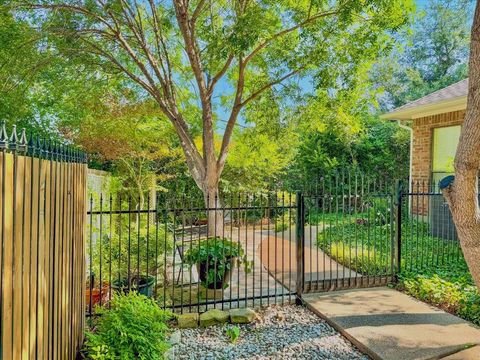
(186, 53)
(462, 193)
(133, 139)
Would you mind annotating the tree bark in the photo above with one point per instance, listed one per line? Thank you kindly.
(215, 225)
(462, 194)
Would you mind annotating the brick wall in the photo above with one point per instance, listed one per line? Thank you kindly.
(422, 147)
(422, 141)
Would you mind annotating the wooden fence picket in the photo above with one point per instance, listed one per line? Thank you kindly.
(42, 260)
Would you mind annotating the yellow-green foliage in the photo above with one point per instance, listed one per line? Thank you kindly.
(359, 259)
(133, 328)
(450, 288)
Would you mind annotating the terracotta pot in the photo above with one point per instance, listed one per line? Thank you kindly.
(96, 295)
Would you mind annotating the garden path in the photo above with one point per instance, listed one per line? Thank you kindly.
(254, 288)
(272, 277)
(318, 265)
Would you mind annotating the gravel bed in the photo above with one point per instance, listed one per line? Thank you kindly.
(281, 332)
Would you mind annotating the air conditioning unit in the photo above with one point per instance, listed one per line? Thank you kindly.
(441, 222)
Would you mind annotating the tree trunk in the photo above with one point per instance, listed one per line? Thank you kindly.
(215, 225)
(462, 194)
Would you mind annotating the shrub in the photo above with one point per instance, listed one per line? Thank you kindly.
(379, 210)
(280, 227)
(158, 240)
(321, 216)
(450, 288)
(133, 328)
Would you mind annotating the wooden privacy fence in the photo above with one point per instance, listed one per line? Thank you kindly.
(42, 262)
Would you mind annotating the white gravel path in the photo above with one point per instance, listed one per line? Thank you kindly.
(282, 332)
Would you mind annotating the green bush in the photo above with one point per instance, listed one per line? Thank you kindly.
(450, 288)
(320, 216)
(218, 253)
(133, 328)
(379, 210)
(158, 240)
(283, 222)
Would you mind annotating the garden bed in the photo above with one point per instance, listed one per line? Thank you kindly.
(280, 332)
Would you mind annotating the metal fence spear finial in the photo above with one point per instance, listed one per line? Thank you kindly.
(14, 138)
(31, 145)
(22, 145)
(3, 136)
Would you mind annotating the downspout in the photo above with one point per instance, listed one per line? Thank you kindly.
(410, 165)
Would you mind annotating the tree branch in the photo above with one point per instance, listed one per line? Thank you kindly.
(197, 11)
(220, 74)
(257, 93)
(233, 115)
(287, 31)
(73, 8)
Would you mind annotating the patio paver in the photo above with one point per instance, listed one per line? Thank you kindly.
(390, 325)
(472, 353)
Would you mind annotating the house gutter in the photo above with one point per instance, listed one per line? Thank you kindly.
(410, 165)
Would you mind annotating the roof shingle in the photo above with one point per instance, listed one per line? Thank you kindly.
(450, 92)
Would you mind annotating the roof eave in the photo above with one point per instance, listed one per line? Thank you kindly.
(455, 104)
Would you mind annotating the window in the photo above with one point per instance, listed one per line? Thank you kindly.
(445, 142)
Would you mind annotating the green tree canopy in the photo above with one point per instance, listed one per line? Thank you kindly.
(184, 54)
(432, 54)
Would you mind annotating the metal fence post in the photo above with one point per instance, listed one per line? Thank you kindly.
(398, 230)
(300, 237)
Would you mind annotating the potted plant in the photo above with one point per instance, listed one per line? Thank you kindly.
(96, 294)
(132, 263)
(143, 284)
(215, 259)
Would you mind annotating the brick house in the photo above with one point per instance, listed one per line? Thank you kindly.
(435, 121)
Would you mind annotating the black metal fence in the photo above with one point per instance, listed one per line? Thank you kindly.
(350, 232)
(427, 232)
(347, 231)
(165, 248)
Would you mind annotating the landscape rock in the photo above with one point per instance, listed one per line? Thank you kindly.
(175, 338)
(242, 316)
(301, 335)
(213, 317)
(189, 320)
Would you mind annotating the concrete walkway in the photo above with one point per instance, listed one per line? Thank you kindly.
(278, 252)
(387, 324)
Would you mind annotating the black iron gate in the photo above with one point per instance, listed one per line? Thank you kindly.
(349, 232)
